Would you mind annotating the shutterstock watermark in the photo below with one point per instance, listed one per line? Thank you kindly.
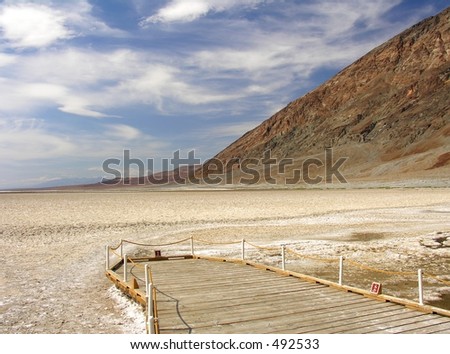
(190, 170)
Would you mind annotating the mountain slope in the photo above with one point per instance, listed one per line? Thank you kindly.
(389, 113)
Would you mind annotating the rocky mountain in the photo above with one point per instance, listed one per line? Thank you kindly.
(388, 114)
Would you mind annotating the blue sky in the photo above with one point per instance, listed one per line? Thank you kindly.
(82, 80)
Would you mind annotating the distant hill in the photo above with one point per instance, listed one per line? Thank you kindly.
(64, 182)
(388, 112)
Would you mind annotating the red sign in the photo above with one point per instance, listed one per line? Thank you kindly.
(375, 288)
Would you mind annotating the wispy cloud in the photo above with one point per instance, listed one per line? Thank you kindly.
(24, 139)
(249, 58)
(190, 10)
(123, 132)
(305, 37)
(93, 84)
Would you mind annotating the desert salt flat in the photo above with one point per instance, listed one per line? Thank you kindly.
(52, 244)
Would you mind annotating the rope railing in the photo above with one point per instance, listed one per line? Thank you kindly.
(136, 264)
(435, 277)
(151, 290)
(372, 269)
(114, 248)
(158, 245)
(115, 253)
(215, 243)
(265, 248)
(315, 258)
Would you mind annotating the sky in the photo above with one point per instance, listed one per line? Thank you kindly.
(81, 81)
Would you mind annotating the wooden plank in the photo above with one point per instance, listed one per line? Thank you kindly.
(301, 306)
(238, 314)
(304, 294)
(202, 318)
(192, 279)
(260, 296)
(260, 299)
(217, 285)
(167, 268)
(204, 282)
(277, 322)
(229, 294)
(443, 327)
(255, 300)
(362, 323)
(293, 298)
(335, 317)
(228, 313)
(422, 323)
(205, 270)
(443, 331)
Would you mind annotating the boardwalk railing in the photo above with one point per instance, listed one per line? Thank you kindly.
(242, 250)
(131, 286)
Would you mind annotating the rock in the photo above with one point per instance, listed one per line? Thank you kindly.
(430, 243)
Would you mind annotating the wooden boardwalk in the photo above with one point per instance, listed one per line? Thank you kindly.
(205, 296)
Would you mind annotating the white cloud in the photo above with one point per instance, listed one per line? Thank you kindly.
(26, 139)
(190, 10)
(20, 97)
(31, 25)
(79, 16)
(161, 82)
(180, 11)
(26, 24)
(7, 59)
(77, 108)
(123, 132)
(42, 91)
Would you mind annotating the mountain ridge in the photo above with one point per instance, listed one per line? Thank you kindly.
(388, 112)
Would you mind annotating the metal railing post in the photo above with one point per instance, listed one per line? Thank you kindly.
(283, 257)
(192, 245)
(125, 261)
(243, 249)
(419, 278)
(150, 318)
(341, 270)
(146, 277)
(149, 295)
(121, 248)
(107, 258)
